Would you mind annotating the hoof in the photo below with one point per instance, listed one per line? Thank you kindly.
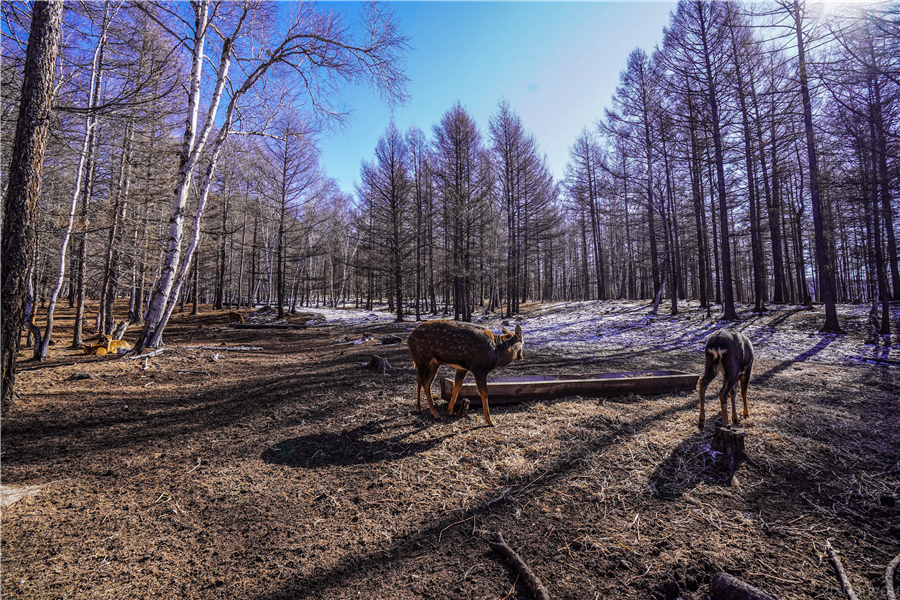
(701, 424)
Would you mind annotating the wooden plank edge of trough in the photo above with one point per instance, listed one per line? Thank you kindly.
(603, 388)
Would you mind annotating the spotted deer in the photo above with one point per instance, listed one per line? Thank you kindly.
(466, 348)
(729, 352)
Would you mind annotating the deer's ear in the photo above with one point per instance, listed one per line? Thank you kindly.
(518, 330)
(505, 330)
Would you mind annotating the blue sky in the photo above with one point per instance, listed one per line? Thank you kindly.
(556, 63)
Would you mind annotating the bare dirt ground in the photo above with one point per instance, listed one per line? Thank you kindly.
(290, 472)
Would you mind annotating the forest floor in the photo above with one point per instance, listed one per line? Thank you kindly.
(288, 471)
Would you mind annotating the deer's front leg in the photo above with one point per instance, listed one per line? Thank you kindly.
(734, 415)
(481, 384)
(457, 385)
(723, 402)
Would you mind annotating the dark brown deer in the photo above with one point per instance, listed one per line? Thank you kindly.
(730, 352)
(235, 317)
(466, 348)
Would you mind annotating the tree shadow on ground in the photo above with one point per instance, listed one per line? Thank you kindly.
(766, 330)
(350, 447)
(765, 378)
(33, 436)
(380, 562)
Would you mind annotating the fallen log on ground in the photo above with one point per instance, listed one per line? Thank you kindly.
(147, 354)
(537, 588)
(839, 572)
(229, 348)
(727, 587)
(889, 575)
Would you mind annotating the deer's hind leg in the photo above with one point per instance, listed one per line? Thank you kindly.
(712, 367)
(421, 375)
(728, 391)
(426, 377)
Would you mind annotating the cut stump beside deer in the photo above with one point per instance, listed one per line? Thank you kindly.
(466, 348)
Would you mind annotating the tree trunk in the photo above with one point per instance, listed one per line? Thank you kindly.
(826, 283)
(81, 267)
(773, 205)
(755, 234)
(883, 292)
(668, 223)
(162, 294)
(24, 180)
(40, 352)
(884, 183)
(196, 295)
(120, 208)
(727, 294)
(696, 174)
(279, 258)
(222, 263)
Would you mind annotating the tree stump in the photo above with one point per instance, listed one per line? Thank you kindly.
(729, 440)
(378, 363)
(119, 332)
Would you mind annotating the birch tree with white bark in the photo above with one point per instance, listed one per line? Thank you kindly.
(317, 50)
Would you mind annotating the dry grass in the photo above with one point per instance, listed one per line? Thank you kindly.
(289, 472)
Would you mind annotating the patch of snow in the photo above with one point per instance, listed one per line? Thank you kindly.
(583, 329)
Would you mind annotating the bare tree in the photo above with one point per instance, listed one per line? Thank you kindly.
(696, 36)
(24, 187)
(315, 48)
(636, 98)
(388, 198)
(462, 171)
(293, 179)
(826, 281)
(82, 189)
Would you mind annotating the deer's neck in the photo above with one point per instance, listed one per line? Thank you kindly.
(505, 352)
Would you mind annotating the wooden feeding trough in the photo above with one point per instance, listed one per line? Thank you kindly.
(506, 390)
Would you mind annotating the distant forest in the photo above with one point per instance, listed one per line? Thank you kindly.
(751, 158)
